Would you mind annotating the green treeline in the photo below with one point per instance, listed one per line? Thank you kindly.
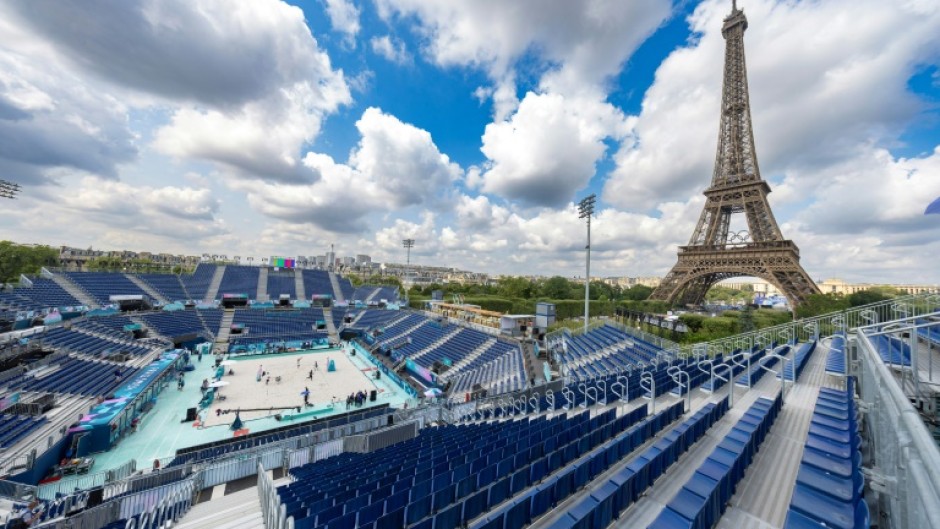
(17, 259)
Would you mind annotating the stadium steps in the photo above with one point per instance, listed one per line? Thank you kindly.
(465, 361)
(330, 326)
(299, 284)
(374, 293)
(225, 327)
(146, 288)
(213, 291)
(337, 291)
(262, 294)
(763, 495)
(76, 292)
(239, 510)
(440, 341)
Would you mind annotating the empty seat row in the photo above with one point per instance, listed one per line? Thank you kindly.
(829, 487)
(625, 487)
(540, 499)
(793, 369)
(704, 497)
(835, 359)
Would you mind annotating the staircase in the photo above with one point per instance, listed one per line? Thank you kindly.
(435, 345)
(146, 288)
(373, 294)
(213, 291)
(465, 361)
(225, 328)
(330, 326)
(337, 291)
(239, 510)
(262, 284)
(83, 297)
(299, 284)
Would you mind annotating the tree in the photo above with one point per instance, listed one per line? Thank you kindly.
(746, 320)
(816, 304)
(17, 259)
(637, 293)
(556, 288)
(864, 297)
(515, 287)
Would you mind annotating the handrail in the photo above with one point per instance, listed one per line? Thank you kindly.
(676, 373)
(648, 383)
(603, 399)
(783, 373)
(728, 382)
(624, 395)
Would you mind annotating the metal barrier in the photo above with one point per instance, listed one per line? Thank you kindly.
(48, 491)
(380, 438)
(905, 461)
(17, 491)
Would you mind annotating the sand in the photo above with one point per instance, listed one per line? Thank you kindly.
(245, 392)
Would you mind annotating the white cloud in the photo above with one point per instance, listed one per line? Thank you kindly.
(391, 48)
(344, 17)
(395, 165)
(97, 211)
(583, 42)
(245, 84)
(549, 147)
(262, 139)
(53, 123)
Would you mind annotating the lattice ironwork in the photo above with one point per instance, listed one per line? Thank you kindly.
(714, 253)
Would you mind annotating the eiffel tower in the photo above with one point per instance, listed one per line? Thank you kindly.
(714, 253)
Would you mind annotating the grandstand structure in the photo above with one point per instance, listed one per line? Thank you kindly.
(789, 426)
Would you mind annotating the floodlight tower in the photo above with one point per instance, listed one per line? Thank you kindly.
(408, 244)
(8, 189)
(585, 211)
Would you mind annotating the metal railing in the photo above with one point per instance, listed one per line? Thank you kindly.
(904, 459)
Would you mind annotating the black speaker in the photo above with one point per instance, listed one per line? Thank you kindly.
(372, 395)
(190, 415)
(353, 352)
(378, 374)
(95, 497)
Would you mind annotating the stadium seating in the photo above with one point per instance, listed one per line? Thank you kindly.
(835, 359)
(170, 286)
(178, 323)
(198, 283)
(703, 499)
(240, 280)
(638, 474)
(14, 428)
(317, 283)
(282, 282)
(102, 285)
(76, 376)
(829, 485)
(798, 362)
(278, 322)
(93, 339)
(893, 350)
(449, 475)
(45, 293)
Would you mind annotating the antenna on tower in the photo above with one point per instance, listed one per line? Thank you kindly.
(734, 5)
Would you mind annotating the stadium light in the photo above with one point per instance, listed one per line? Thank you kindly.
(8, 189)
(408, 244)
(585, 211)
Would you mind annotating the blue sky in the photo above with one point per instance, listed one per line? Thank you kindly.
(272, 128)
